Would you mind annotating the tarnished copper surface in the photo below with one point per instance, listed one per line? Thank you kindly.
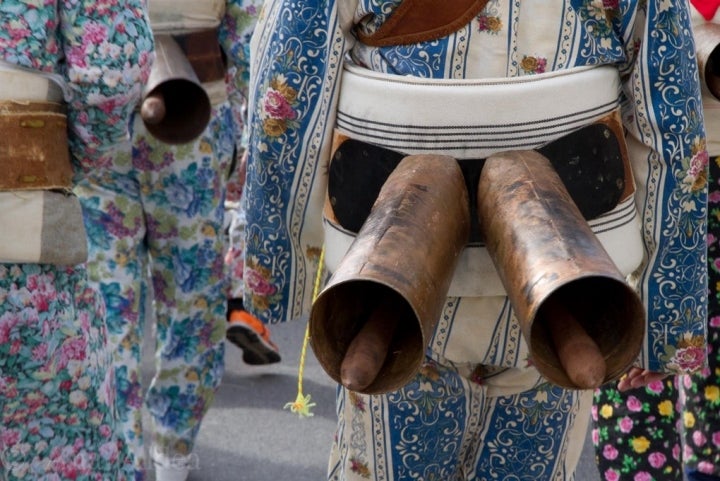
(542, 247)
(404, 255)
(707, 40)
(174, 85)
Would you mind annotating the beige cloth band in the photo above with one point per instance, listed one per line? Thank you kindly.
(181, 16)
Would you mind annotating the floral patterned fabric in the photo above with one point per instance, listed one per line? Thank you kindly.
(160, 207)
(638, 434)
(235, 255)
(446, 424)
(240, 20)
(635, 434)
(106, 52)
(700, 394)
(57, 391)
(57, 397)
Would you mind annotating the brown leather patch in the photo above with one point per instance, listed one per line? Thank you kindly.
(34, 152)
(417, 21)
(338, 139)
(613, 121)
(203, 51)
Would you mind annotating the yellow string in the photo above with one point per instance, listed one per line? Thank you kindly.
(301, 406)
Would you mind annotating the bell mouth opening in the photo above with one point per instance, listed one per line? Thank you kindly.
(187, 112)
(609, 311)
(338, 315)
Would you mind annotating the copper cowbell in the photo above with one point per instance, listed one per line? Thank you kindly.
(545, 252)
(175, 107)
(398, 270)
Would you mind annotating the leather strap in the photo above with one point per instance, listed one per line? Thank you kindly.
(34, 152)
(613, 121)
(417, 21)
(204, 54)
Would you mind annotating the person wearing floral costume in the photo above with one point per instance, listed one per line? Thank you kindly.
(158, 208)
(57, 388)
(652, 432)
(477, 409)
(700, 393)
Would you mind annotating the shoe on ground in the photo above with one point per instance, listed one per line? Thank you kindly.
(252, 336)
(171, 468)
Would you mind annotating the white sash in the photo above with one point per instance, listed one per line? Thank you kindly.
(17, 84)
(38, 226)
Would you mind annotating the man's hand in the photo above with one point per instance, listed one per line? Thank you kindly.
(637, 377)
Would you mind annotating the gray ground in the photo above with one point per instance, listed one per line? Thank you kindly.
(248, 436)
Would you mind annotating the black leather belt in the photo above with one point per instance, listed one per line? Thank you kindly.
(589, 161)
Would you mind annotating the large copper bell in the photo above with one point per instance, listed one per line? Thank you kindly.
(554, 269)
(175, 108)
(371, 324)
(707, 44)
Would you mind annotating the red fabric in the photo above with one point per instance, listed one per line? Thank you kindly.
(707, 8)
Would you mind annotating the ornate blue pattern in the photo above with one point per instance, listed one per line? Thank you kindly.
(426, 420)
(525, 434)
(441, 426)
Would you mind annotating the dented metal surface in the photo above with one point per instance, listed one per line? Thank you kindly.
(405, 252)
(542, 247)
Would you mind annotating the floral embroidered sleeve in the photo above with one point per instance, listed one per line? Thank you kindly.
(108, 55)
(662, 87)
(293, 93)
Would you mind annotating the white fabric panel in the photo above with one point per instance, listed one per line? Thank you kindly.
(21, 216)
(472, 118)
(20, 85)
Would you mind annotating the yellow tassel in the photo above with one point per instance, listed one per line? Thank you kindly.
(301, 406)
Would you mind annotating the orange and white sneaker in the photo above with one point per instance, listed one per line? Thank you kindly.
(252, 336)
